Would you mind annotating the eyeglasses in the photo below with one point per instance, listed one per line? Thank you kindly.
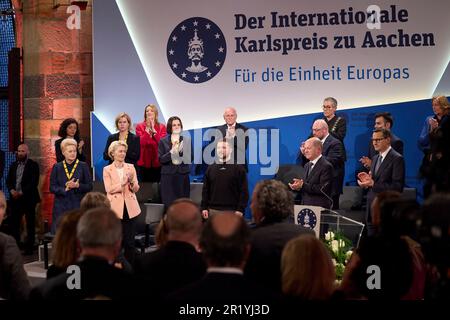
(327, 107)
(377, 140)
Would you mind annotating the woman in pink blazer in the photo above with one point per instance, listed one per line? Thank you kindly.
(121, 184)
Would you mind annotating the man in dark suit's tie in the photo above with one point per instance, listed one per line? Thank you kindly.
(387, 172)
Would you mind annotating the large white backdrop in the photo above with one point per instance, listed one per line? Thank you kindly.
(414, 70)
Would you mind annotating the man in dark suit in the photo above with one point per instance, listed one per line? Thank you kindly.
(22, 182)
(225, 244)
(383, 120)
(177, 263)
(316, 187)
(273, 209)
(99, 232)
(333, 151)
(387, 172)
(235, 133)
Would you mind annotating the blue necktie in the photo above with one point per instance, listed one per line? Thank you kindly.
(378, 164)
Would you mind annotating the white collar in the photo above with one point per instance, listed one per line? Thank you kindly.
(232, 126)
(325, 138)
(313, 162)
(231, 270)
(384, 154)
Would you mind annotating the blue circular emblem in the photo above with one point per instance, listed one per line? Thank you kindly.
(307, 218)
(196, 50)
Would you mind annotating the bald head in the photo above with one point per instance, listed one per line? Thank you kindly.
(22, 152)
(225, 224)
(230, 116)
(183, 218)
(320, 129)
(225, 241)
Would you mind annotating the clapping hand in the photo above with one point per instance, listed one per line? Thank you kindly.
(72, 184)
(296, 184)
(366, 162)
(365, 180)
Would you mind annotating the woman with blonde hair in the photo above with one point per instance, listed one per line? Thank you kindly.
(307, 269)
(121, 185)
(150, 132)
(70, 180)
(124, 126)
(439, 157)
(429, 137)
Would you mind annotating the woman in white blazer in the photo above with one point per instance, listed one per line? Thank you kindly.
(121, 184)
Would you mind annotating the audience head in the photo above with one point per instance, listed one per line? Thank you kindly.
(161, 233)
(384, 263)
(225, 241)
(378, 202)
(440, 105)
(117, 150)
(69, 128)
(271, 201)
(65, 249)
(99, 230)
(381, 140)
(320, 129)
(22, 152)
(230, 116)
(123, 122)
(307, 269)
(434, 232)
(384, 120)
(94, 200)
(151, 113)
(184, 221)
(69, 149)
(312, 148)
(174, 125)
(2, 206)
(399, 217)
(329, 107)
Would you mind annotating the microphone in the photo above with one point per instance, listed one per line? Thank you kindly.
(327, 196)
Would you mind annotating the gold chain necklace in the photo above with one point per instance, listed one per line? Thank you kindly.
(126, 137)
(70, 175)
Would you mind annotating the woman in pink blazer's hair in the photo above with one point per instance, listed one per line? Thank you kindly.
(121, 184)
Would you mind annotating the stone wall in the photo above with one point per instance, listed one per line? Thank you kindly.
(57, 81)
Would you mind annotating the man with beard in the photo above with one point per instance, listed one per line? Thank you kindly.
(22, 183)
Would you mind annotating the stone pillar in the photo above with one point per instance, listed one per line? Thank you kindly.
(57, 81)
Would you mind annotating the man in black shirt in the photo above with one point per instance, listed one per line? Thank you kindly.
(225, 186)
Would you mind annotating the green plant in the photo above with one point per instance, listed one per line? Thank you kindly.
(340, 250)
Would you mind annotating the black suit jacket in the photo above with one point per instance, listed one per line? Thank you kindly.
(221, 288)
(333, 151)
(169, 268)
(337, 127)
(29, 184)
(390, 176)
(133, 151)
(267, 242)
(237, 149)
(60, 156)
(318, 182)
(97, 277)
(165, 157)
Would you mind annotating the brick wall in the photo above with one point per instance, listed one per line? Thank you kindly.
(57, 81)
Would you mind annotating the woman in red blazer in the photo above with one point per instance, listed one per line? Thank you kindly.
(150, 132)
(121, 184)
